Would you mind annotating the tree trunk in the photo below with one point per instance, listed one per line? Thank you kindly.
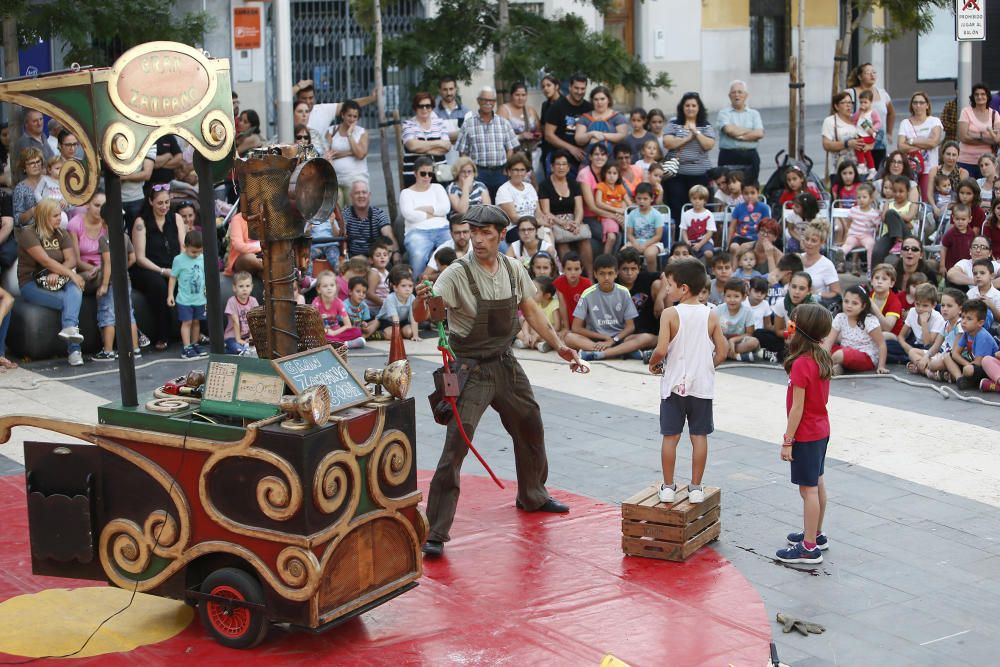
(390, 187)
(500, 55)
(842, 52)
(12, 69)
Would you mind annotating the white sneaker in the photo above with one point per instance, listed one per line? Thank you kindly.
(696, 495)
(543, 346)
(76, 358)
(519, 344)
(71, 335)
(666, 494)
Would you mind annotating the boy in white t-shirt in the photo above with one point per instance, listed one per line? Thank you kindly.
(758, 303)
(698, 225)
(690, 345)
(925, 323)
(982, 288)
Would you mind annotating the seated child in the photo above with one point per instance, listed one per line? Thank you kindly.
(444, 258)
(378, 275)
(570, 285)
(698, 224)
(924, 326)
(746, 262)
(237, 334)
(679, 250)
(861, 344)
(732, 194)
(941, 204)
(336, 323)
(654, 176)
(545, 295)
(644, 226)
(952, 301)
(605, 315)
(357, 306)
(722, 268)
(397, 307)
(746, 215)
(863, 221)
(736, 320)
(975, 343)
(611, 195)
(352, 268)
(956, 244)
(982, 288)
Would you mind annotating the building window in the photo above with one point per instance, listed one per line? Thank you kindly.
(769, 36)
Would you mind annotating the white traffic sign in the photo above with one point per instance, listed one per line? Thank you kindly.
(970, 20)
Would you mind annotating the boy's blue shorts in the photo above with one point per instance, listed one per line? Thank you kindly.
(807, 461)
(189, 313)
(696, 411)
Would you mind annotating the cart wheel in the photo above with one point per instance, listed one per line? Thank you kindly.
(231, 626)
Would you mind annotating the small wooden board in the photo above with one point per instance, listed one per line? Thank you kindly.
(669, 532)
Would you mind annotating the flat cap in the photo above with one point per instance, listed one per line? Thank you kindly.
(486, 215)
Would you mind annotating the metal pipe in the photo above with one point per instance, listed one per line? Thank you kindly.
(206, 201)
(282, 18)
(120, 289)
(964, 74)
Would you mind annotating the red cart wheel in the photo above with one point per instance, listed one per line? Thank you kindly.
(230, 625)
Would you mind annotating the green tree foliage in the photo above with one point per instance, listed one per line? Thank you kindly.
(96, 32)
(904, 16)
(463, 31)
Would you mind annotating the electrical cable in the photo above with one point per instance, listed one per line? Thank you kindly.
(135, 589)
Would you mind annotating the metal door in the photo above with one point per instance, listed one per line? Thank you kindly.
(329, 47)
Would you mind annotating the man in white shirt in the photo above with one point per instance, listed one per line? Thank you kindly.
(321, 116)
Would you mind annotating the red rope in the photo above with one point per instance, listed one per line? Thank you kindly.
(446, 358)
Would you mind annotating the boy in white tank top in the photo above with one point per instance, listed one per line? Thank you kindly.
(690, 345)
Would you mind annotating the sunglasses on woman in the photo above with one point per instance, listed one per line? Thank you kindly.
(302, 137)
(163, 187)
(425, 174)
(911, 248)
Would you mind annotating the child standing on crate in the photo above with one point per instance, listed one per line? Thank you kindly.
(644, 226)
(689, 347)
(698, 225)
(807, 431)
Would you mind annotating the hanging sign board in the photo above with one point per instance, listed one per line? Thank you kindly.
(246, 27)
(970, 20)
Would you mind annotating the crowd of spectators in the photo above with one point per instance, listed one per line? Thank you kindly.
(599, 200)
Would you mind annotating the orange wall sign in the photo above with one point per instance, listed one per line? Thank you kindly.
(246, 27)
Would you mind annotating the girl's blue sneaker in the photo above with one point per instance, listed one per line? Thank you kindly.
(821, 541)
(799, 554)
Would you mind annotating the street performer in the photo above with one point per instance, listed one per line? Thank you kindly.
(483, 291)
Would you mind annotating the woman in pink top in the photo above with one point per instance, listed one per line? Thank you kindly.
(242, 249)
(86, 229)
(978, 130)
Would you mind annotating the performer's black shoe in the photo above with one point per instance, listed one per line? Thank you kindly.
(433, 548)
(551, 505)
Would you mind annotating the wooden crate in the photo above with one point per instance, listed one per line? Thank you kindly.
(669, 532)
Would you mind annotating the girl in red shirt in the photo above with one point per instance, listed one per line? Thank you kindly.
(807, 433)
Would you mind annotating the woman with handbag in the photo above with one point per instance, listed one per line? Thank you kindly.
(978, 130)
(45, 273)
(921, 134)
(561, 203)
(840, 136)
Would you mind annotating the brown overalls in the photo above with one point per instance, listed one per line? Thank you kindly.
(495, 380)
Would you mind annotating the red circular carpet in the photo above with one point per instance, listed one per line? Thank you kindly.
(513, 588)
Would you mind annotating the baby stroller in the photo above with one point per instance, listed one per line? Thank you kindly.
(776, 183)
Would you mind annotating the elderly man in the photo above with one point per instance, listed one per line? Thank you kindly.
(489, 140)
(32, 137)
(742, 129)
(461, 236)
(449, 108)
(365, 223)
(483, 292)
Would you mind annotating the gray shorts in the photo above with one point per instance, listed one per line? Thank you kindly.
(676, 409)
